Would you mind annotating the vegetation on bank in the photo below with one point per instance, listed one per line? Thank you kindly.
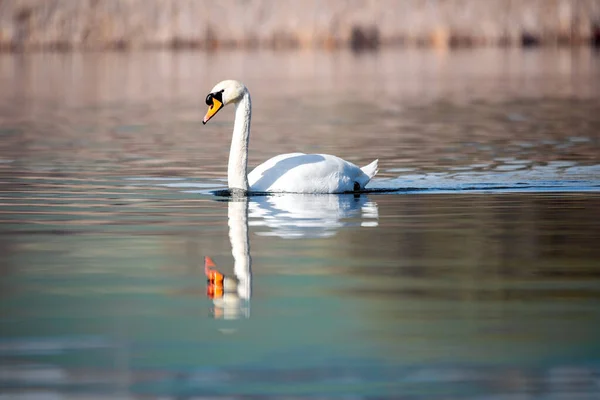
(281, 24)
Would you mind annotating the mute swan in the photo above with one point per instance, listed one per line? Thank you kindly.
(290, 173)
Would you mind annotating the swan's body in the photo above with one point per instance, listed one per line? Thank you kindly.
(291, 173)
(309, 173)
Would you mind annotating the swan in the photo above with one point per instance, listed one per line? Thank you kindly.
(285, 173)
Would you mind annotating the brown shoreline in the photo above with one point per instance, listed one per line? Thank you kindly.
(119, 25)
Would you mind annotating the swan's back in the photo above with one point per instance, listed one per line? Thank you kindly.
(309, 173)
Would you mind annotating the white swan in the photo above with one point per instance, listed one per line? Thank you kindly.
(291, 173)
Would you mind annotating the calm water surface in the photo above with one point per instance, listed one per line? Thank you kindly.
(470, 272)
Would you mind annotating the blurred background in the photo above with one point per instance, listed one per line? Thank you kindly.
(475, 275)
(205, 24)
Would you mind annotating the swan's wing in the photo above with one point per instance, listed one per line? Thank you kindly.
(306, 173)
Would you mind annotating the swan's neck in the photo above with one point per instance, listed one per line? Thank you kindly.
(240, 245)
(237, 176)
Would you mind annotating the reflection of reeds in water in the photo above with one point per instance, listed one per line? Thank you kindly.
(120, 117)
(519, 247)
(506, 274)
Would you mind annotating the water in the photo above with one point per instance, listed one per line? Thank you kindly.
(470, 271)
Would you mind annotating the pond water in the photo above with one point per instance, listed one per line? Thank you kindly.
(469, 271)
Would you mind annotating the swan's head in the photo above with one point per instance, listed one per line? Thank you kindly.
(223, 93)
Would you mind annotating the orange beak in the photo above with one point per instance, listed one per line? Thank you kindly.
(214, 291)
(208, 264)
(212, 110)
(213, 276)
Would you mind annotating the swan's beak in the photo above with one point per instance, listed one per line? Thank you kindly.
(208, 264)
(212, 110)
(213, 276)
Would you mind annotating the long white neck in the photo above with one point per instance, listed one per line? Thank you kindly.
(237, 171)
(237, 213)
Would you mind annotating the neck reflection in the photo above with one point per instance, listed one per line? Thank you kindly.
(231, 295)
(289, 216)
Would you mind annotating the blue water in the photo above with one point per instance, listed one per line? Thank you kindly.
(468, 270)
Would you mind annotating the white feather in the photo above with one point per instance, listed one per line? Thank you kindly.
(290, 173)
(307, 173)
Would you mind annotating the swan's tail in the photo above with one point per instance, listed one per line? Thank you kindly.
(371, 169)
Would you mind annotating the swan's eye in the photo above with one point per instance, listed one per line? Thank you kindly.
(209, 99)
(218, 95)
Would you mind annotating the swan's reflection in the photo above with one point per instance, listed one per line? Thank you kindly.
(293, 216)
(231, 295)
(288, 216)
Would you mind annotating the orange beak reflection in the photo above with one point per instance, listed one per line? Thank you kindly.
(212, 110)
(214, 277)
